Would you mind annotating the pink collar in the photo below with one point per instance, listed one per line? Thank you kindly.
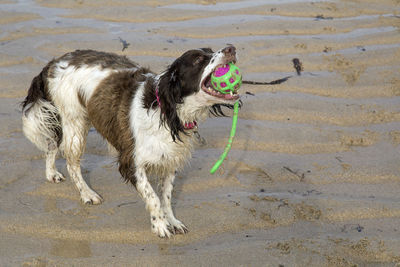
(188, 125)
(158, 98)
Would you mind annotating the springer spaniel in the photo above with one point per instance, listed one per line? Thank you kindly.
(148, 118)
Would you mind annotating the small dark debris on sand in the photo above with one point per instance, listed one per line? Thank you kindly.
(124, 43)
(362, 48)
(297, 65)
(320, 17)
(327, 49)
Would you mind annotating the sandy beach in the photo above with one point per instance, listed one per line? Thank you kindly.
(313, 177)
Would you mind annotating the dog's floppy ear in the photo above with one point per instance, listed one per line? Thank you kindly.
(169, 91)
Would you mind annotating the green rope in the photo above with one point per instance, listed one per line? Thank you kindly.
(232, 135)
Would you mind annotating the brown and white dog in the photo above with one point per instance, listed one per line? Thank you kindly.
(148, 118)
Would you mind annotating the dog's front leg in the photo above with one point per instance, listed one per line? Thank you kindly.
(159, 222)
(167, 188)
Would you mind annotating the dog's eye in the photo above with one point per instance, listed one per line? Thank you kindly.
(198, 60)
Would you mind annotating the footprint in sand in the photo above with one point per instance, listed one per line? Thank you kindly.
(345, 67)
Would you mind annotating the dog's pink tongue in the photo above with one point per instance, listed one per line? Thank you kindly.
(221, 71)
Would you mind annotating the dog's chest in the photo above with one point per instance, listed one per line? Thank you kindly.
(154, 146)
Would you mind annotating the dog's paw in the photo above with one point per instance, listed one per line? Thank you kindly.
(90, 197)
(55, 177)
(177, 226)
(160, 227)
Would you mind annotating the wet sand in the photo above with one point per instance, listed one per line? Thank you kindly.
(313, 178)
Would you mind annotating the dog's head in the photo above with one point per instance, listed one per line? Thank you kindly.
(185, 87)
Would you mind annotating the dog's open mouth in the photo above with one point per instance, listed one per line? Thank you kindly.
(208, 88)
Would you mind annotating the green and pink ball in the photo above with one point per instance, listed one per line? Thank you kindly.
(226, 79)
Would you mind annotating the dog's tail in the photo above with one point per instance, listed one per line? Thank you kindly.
(41, 121)
(38, 89)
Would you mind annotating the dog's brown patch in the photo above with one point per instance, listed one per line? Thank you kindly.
(108, 110)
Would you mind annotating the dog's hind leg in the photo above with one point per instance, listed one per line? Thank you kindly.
(75, 130)
(167, 188)
(41, 125)
(52, 174)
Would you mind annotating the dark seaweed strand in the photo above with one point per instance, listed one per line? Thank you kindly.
(279, 81)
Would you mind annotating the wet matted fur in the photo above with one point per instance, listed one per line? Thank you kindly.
(143, 115)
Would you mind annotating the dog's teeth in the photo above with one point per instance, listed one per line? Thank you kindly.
(231, 93)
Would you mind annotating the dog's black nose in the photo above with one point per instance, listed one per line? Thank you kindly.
(229, 51)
